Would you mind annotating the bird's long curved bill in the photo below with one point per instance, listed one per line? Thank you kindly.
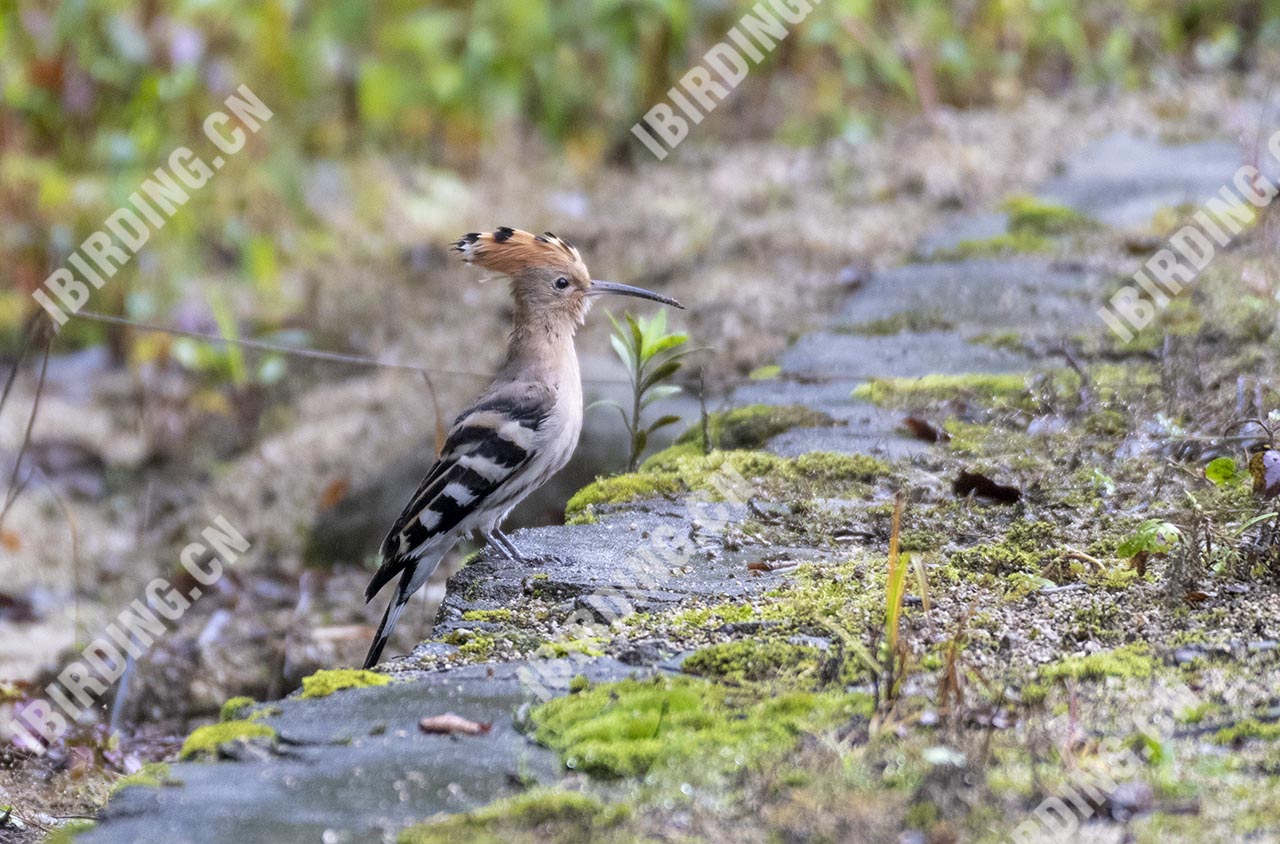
(600, 288)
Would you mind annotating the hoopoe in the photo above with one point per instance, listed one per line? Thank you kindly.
(519, 432)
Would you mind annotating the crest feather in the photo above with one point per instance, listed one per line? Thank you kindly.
(509, 251)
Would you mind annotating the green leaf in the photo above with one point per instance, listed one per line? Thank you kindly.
(669, 419)
(603, 403)
(1152, 536)
(1223, 471)
(658, 393)
(623, 351)
(664, 371)
(662, 344)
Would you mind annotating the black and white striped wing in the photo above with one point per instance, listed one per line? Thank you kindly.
(488, 446)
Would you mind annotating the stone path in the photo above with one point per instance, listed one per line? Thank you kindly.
(355, 764)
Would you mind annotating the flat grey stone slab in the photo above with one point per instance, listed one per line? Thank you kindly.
(961, 228)
(980, 296)
(651, 556)
(890, 444)
(356, 764)
(853, 358)
(1124, 180)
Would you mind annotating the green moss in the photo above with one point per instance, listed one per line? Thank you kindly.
(209, 738)
(1037, 217)
(750, 660)
(559, 814)
(326, 682)
(1106, 423)
(913, 321)
(741, 428)
(1009, 340)
(712, 617)
(1033, 694)
(477, 648)
(233, 709)
(490, 616)
(558, 649)
(68, 832)
(620, 489)
(897, 392)
(579, 683)
(999, 246)
(705, 473)
(651, 727)
(1248, 729)
(151, 775)
(1134, 661)
(1027, 548)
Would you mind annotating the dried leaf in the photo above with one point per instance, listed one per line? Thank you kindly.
(334, 492)
(976, 483)
(448, 724)
(1265, 468)
(1196, 596)
(10, 541)
(921, 429)
(772, 565)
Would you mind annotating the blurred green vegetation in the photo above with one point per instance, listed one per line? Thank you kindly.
(94, 94)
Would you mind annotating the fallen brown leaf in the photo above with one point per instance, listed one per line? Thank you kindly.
(448, 724)
(924, 430)
(10, 541)
(976, 483)
(772, 565)
(333, 493)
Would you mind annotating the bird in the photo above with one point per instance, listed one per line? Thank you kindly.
(520, 430)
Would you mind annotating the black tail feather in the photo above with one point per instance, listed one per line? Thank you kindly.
(381, 638)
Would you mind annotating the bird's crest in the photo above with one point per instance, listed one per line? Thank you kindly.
(509, 251)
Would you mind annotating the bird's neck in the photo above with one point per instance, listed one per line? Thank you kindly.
(541, 349)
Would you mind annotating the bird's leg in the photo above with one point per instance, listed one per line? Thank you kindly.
(507, 548)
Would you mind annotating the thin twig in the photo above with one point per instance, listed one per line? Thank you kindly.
(263, 346)
(15, 489)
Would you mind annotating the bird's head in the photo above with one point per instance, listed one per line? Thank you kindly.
(548, 276)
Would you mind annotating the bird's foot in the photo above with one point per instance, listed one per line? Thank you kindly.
(508, 551)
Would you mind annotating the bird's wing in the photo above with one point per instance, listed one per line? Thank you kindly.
(487, 446)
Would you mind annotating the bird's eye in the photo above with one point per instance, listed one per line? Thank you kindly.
(562, 283)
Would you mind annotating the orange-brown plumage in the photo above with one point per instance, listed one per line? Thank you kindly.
(511, 251)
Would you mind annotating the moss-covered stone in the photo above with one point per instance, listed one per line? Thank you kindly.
(913, 321)
(151, 775)
(900, 392)
(500, 616)
(652, 727)
(1249, 729)
(1005, 245)
(68, 832)
(325, 682)
(1134, 661)
(737, 429)
(234, 708)
(750, 660)
(708, 473)
(545, 814)
(1033, 216)
(207, 739)
(1027, 548)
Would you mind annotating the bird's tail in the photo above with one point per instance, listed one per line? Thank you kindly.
(388, 625)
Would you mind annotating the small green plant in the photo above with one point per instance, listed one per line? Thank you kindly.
(652, 357)
(1224, 472)
(1151, 537)
(890, 661)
